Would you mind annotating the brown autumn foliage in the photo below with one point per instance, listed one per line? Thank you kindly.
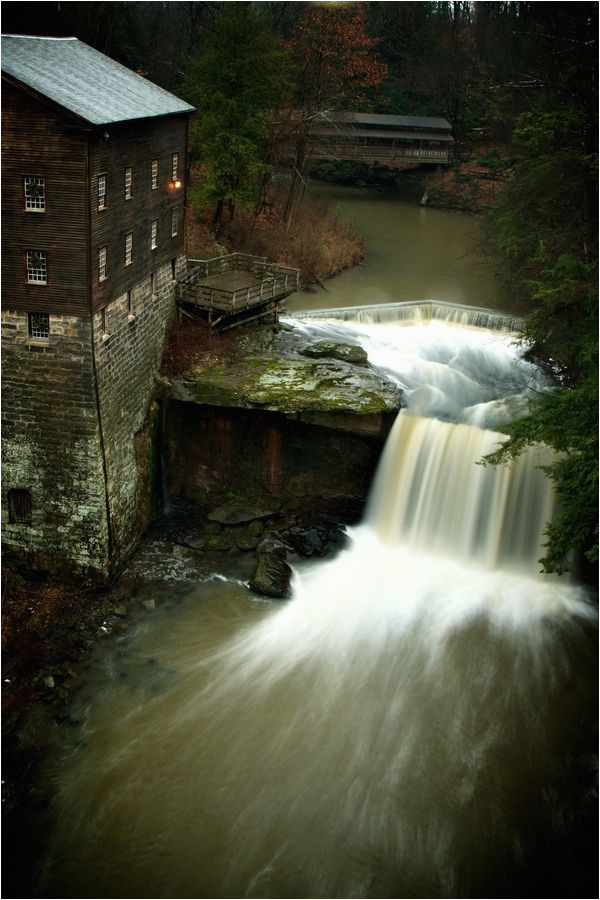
(318, 242)
(335, 57)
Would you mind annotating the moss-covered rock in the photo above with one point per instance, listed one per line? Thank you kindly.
(351, 353)
(290, 385)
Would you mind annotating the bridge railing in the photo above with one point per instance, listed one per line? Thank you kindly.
(346, 150)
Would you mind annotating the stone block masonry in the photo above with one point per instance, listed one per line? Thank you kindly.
(129, 340)
(74, 406)
(51, 447)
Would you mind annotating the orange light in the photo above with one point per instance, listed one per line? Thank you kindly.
(176, 184)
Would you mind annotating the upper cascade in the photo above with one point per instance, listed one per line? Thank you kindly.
(422, 311)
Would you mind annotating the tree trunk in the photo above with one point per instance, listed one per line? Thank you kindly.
(297, 183)
(218, 214)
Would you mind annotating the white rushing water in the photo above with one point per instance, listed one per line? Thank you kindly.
(448, 364)
(414, 723)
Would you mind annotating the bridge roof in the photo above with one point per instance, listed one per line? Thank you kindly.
(432, 123)
(381, 133)
(84, 81)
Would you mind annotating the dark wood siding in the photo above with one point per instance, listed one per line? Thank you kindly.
(36, 140)
(135, 145)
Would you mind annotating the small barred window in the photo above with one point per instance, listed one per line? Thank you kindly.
(154, 174)
(35, 194)
(175, 166)
(174, 223)
(128, 183)
(38, 326)
(154, 234)
(19, 506)
(37, 269)
(101, 191)
(129, 248)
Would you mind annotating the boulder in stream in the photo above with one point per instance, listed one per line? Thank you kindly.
(272, 576)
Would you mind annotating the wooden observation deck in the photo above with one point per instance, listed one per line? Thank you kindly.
(229, 290)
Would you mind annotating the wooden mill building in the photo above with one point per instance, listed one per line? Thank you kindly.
(93, 202)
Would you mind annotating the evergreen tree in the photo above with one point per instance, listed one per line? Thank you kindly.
(545, 227)
(236, 85)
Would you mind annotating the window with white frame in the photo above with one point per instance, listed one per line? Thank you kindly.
(35, 193)
(174, 223)
(129, 248)
(37, 268)
(154, 175)
(103, 322)
(128, 183)
(154, 234)
(175, 167)
(101, 191)
(38, 326)
(102, 264)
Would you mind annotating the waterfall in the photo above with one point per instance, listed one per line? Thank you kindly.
(415, 722)
(432, 492)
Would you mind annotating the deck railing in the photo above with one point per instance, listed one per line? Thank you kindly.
(271, 282)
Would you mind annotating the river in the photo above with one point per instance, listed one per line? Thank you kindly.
(411, 253)
(414, 722)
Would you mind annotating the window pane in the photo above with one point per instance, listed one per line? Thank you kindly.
(39, 326)
(175, 165)
(35, 193)
(36, 266)
(173, 223)
(128, 248)
(102, 264)
(154, 179)
(101, 191)
(154, 235)
(128, 183)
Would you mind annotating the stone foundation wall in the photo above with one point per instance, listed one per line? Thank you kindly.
(263, 459)
(51, 446)
(79, 428)
(129, 340)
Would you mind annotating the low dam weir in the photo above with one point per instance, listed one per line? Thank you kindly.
(421, 311)
(417, 721)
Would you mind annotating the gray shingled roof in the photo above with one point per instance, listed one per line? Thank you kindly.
(381, 133)
(84, 81)
(433, 123)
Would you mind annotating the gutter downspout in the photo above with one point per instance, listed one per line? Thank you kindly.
(109, 530)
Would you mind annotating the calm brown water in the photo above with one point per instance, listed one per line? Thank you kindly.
(412, 253)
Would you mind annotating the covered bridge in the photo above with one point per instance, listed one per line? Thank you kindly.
(373, 137)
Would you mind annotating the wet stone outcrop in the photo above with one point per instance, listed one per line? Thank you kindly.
(350, 353)
(325, 383)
